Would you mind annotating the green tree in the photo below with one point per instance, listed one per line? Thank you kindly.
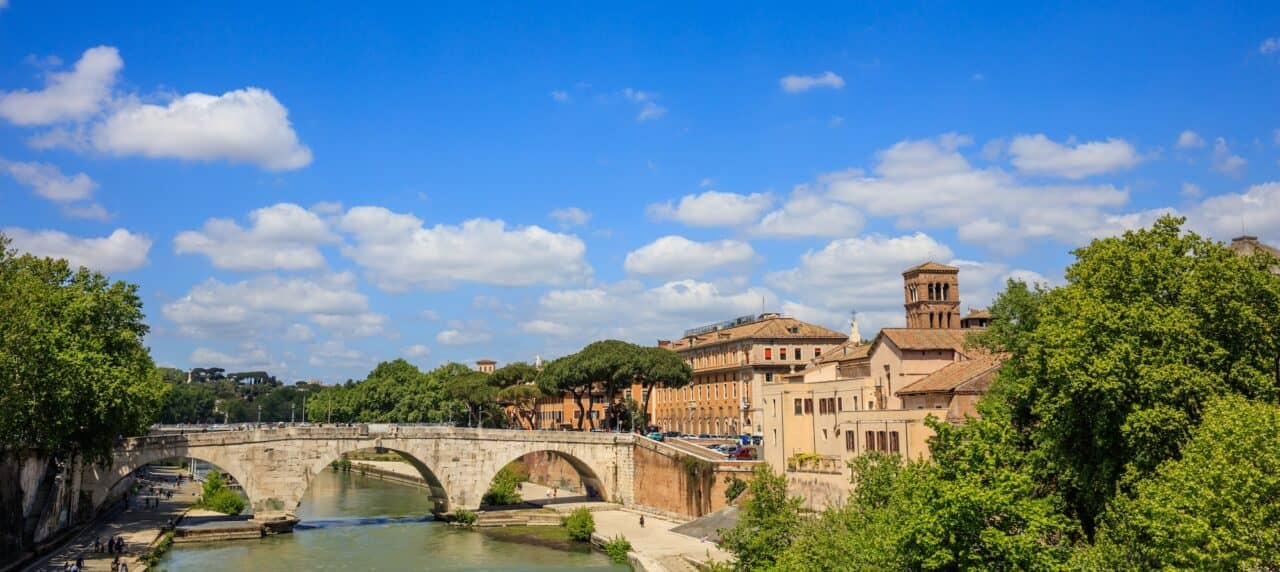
(188, 403)
(767, 521)
(565, 375)
(1112, 377)
(475, 391)
(1215, 508)
(74, 373)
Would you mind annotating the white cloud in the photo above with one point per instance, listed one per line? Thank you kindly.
(862, 272)
(835, 121)
(649, 109)
(546, 328)
(627, 310)
(803, 83)
(120, 251)
(398, 251)
(334, 353)
(809, 214)
(561, 96)
(1189, 139)
(1037, 154)
(245, 308)
(929, 184)
(48, 182)
(284, 236)
(243, 126)
(678, 257)
(1269, 46)
(67, 96)
(416, 351)
(714, 208)
(1255, 211)
(299, 333)
(572, 216)
(1224, 161)
(91, 211)
(249, 356)
(429, 315)
(464, 334)
(1191, 190)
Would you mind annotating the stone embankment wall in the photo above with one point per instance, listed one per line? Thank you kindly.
(667, 483)
(40, 501)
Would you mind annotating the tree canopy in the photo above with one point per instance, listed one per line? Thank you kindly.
(74, 372)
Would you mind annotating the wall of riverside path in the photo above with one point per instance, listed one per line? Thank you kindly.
(665, 485)
(39, 503)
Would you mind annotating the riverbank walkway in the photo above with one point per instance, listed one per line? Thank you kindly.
(139, 526)
(655, 541)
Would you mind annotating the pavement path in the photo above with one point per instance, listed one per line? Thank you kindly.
(139, 526)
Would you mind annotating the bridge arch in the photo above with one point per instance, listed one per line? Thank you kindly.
(594, 486)
(435, 487)
(103, 484)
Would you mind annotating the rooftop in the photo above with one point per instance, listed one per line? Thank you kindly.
(969, 376)
(924, 338)
(930, 265)
(770, 326)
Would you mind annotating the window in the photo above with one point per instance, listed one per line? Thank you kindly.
(808, 405)
(782, 353)
(893, 441)
(817, 352)
(799, 406)
(768, 376)
(871, 441)
(768, 353)
(850, 441)
(839, 404)
(882, 441)
(798, 354)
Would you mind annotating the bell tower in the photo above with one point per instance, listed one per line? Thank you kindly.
(932, 296)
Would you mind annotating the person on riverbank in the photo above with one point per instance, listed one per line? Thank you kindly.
(642, 521)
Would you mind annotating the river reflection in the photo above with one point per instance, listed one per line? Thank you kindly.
(352, 522)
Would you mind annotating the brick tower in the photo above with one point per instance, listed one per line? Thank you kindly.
(932, 294)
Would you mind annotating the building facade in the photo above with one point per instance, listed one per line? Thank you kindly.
(864, 397)
(731, 362)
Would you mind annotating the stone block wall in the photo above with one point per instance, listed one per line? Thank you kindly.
(666, 483)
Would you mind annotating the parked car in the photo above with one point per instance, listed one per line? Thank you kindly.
(656, 436)
(744, 454)
(672, 434)
(704, 436)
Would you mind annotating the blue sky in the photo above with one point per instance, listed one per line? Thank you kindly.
(314, 187)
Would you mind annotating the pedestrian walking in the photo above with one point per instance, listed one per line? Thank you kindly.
(642, 521)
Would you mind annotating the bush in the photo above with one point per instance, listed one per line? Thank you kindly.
(735, 488)
(217, 497)
(225, 501)
(464, 517)
(617, 549)
(503, 490)
(580, 524)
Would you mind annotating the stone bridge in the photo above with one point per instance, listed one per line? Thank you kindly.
(275, 466)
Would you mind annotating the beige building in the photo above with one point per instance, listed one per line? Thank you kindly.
(875, 396)
(732, 361)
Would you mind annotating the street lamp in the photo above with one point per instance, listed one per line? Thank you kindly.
(259, 415)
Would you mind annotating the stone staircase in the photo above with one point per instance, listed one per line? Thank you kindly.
(530, 517)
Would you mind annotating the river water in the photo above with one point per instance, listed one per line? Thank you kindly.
(353, 522)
